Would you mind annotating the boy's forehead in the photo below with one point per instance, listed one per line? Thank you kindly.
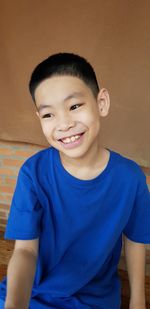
(61, 87)
(61, 81)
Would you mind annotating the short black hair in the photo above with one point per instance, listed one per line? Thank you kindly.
(64, 64)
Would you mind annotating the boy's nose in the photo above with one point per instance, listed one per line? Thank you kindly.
(65, 124)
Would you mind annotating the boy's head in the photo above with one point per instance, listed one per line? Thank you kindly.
(64, 64)
(69, 103)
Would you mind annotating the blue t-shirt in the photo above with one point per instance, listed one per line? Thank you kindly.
(80, 225)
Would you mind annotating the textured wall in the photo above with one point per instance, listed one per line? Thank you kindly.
(113, 35)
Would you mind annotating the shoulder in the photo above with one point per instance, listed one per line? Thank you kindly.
(127, 168)
(37, 162)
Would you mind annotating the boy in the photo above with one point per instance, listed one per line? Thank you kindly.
(73, 201)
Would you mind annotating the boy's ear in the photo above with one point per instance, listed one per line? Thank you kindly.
(103, 101)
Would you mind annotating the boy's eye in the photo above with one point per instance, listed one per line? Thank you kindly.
(47, 116)
(75, 106)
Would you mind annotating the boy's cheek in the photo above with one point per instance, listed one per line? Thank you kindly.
(46, 130)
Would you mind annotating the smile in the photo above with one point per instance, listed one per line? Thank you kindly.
(71, 139)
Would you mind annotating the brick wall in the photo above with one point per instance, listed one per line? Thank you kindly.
(12, 156)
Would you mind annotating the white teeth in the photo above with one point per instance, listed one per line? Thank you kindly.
(67, 140)
(70, 139)
(77, 136)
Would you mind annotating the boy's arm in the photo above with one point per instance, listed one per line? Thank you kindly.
(135, 261)
(20, 274)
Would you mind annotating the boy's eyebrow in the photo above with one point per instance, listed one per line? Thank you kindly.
(73, 95)
(42, 106)
(69, 97)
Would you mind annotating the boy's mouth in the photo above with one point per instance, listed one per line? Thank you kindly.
(71, 140)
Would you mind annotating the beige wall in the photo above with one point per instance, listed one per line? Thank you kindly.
(113, 35)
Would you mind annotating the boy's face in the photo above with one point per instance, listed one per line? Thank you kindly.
(70, 114)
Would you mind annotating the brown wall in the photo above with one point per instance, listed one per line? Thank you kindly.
(113, 35)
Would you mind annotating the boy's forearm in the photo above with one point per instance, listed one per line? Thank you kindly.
(20, 276)
(137, 305)
(135, 260)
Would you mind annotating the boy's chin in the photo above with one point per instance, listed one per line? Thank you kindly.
(73, 154)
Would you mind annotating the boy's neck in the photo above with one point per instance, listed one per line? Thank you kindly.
(88, 168)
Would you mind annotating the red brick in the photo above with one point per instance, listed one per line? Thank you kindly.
(6, 189)
(4, 206)
(2, 228)
(1, 181)
(10, 181)
(6, 151)
(8, 198)
(12, 162)
(8, 171)
(146, 170)
(3, 214)
(3, 221)
(148, 179)
(2, 197)
(24, 153)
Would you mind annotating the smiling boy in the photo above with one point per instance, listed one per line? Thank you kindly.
(74, 201)
(70, 120)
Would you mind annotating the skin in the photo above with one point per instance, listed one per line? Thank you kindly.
(66, 107)
(135, 260)
(20, 274)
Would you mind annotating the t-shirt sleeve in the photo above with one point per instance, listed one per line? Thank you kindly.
(24, 221)
(138, 226)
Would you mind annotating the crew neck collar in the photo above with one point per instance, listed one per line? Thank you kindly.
(80, 182)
